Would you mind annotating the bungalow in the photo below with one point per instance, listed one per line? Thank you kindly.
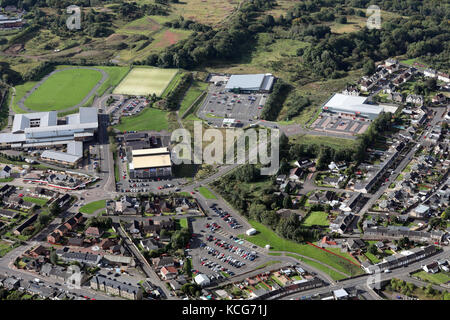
(295, 174)
(355, 244)
(431, 267)
(149, 244)
(336, 167)
(304, 164)
(168, 272)
(5, 172)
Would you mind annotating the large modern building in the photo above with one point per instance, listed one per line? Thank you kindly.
(150, 163)
(352, 106)
(250, 83)
(43, 130)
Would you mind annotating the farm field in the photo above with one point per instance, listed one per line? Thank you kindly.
(149, 119)
(90, 208)
(57, 92)
(267, 236)
(146, 81)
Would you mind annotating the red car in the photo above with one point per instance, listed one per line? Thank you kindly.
(192, 192)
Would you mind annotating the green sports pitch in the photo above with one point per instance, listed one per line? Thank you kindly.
(63, 90)
(146, 81)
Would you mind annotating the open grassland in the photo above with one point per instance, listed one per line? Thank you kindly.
(115, 75)
(146, 81)
(332, 273)
(90, 208)
(267, 236)
(63, 90)
(148, 119)
(208, 12)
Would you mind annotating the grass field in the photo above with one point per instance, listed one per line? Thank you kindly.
(333, 274)
(192, 94)
(267, 236)
(206, 193)
(39, 201)
(183, 223)
(146, 81)
(4, 248)
(149, 119)
(316, 218)
(63, 90)
(335, 143)
(90, 208)
(436, 278)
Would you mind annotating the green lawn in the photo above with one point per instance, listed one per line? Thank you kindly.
(436, 278)
(6, 179)
(374, 259)
(206, 193)
(192, 94)
(149, 119)
(39, 201)
(63, 90)
(267, 236)
(90, 208)
(316, 218)
(266, 264)
(183, 223)
(21, 90)
(146, 81)
(116, 74)
(333, 274)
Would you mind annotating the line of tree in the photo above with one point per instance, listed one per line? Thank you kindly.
(276, 99)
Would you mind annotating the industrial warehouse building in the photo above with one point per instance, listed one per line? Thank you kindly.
(41, 130)
(249, 83)
(150, 163)
(352, 106)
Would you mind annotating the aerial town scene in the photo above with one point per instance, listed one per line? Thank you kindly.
(208, 150)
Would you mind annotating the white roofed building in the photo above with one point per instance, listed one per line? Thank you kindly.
(41, 130)
(352, 106)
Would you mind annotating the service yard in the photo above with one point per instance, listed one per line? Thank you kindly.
(336, 124)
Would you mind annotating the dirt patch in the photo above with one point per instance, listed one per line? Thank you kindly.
(15, 49)
(116, 37)
(169, 38)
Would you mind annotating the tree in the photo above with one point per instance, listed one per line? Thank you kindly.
(446, 214)
(369, 67)
(372, 249)
(53, 257)
(287, 202)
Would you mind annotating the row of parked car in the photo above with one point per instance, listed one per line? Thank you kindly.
(232, 222)
(233, 248)
(227, 259)
(214, 266)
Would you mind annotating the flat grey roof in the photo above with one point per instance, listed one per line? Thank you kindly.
(60, 156)
(245, 81)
